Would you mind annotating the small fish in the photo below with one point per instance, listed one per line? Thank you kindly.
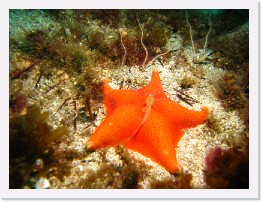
(147, 110)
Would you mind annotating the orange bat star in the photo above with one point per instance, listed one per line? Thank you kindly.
(146, 121)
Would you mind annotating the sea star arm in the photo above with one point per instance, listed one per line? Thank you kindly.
(154, 140)
(179, 115)
(117, 128)
(113, 98)
(154, 87)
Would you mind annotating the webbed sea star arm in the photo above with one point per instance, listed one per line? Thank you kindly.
(154, 140)
(181, 116)
(119, 127)
(113, 98)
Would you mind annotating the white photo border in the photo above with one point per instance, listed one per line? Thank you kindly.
(254, 175)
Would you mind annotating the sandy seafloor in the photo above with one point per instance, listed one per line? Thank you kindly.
(112, 167)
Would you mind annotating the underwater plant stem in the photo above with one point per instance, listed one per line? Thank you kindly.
(70, 103)
(89, 108)
(191, 35)
(52, 87)
(155, 58)
(16, 76)
(124, 57)
(75, 126)
(74, 118)
(39, 78)
(141, 39)
(68, 98)
(210, 27)
(187, 99)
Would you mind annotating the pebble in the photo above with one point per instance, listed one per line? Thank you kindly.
(42, 183)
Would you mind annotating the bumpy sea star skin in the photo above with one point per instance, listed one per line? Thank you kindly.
(158, 135)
